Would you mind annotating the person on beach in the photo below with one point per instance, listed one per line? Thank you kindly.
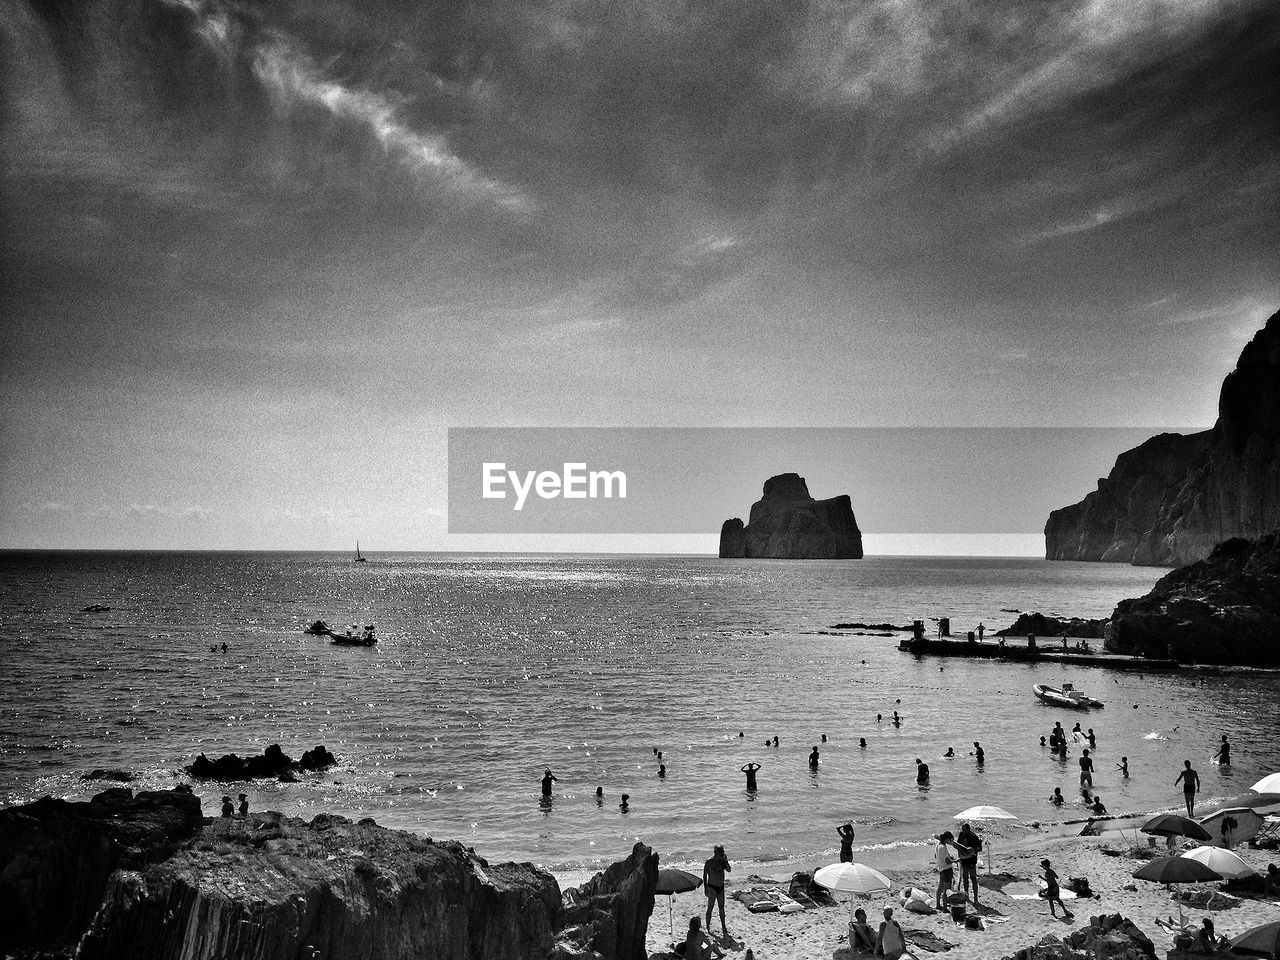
(1056, 798)
(942, 862)
(227, 808)
(1190, 781)
(1086, 769)
(922, 771)
(1053, 894)
(697, 945)
(845, 833)
(813, 758)
(890, 943)
(713, 872)
(968, 846)
(861, 936)
(244, 805)
(1223, 756)
(1272, 889)
(1206, 940)
(977, 753)
(1123, 766)
(750, 770)
(547, 780)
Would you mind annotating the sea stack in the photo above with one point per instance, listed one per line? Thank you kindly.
(1168, 501)
(786, 523)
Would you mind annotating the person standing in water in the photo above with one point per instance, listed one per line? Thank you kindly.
(813, 758)
(1223, 756)
(978, 753)
(845, 833)
(750, 770)
(1123, 767)
(1086, 769)
(1190, 781)
(547, 780)
(922, 771)
(713, 872)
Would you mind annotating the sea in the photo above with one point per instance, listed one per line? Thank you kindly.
(491, 668)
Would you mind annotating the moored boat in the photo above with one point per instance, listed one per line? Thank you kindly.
(1067, 696)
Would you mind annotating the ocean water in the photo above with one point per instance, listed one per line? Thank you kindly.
(491, 667)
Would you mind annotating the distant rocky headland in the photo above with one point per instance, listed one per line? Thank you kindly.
(787, 523)
(1169, 500)
(149, 878)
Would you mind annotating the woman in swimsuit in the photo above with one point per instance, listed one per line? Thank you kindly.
(1053, 894)
(845, 833)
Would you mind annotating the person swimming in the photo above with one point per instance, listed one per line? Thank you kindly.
(824, 738)
(624, 806)
(951, 752)
(862, 742)
(1097, 806)
(662, 771)
(1056, 798)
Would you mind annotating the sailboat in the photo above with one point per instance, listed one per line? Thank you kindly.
(359, 559)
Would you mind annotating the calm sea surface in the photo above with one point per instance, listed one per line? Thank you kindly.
(491, 667)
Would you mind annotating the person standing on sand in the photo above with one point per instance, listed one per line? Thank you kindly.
(968, 845)
(750, 770)
(1190, 781)
(845, 833)
(547, 780)
(942, 861)
(891, 943)
(713, 872)
(1053, 894)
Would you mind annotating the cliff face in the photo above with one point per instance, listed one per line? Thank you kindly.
(1170, 499)
(147, 878)
(787, 523)
(1224, 609)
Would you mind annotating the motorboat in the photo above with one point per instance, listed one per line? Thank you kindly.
(1066, 696)
(355, 637)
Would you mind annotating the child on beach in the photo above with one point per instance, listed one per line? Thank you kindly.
(1053, 894)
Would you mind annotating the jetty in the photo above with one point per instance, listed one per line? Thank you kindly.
(1032, 653)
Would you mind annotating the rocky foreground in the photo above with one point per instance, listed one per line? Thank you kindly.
(148, 876)
(1167, 501)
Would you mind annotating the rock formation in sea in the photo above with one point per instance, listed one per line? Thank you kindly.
(148, 878)
(1224, 609)
(1037, 624)
(272, 762)
(1167, 501)
(787, 523)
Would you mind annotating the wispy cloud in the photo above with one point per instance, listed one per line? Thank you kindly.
(156, 511)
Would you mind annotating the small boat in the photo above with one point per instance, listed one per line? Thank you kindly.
(360, 559)
(355, 637)
(1068, 696)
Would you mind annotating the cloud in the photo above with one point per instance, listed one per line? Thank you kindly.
(153, 512)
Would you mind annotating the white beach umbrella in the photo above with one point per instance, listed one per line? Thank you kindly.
(1220, 861)
(985, 811)
(1268, 784)
(855, 878)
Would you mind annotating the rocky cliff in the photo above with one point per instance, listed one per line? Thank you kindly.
(1224, 609)
(147, 877)
(787, 523)
(1170, 499)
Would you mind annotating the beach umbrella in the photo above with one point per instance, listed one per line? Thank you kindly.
(985, 811)
(1268, 784)
(1247, 822)
(855, 878)
(1263, 940)
(1170, 870)
(1220, 861)
(671, 882)
(1172, 825)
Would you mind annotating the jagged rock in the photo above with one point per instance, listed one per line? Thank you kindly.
(608, 916)
(1105, 936)
(328, 888)
(96, 608)
(272, 762)
(123, 776)
(1044, 626)
(1170, 499)
(870, 626)
(56, 857)
(1225, 609)
(787, 523)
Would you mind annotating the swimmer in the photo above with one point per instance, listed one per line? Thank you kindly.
(879, 717)
(1123, 767)
(623, 805)
(977, 752)
(1086, 768)
(862, 742)
(662, 771)
(1042, 741)
(599, 796)
(1223, 756)
(951, 752)
(740, 734)
(1056, 798)
(775, 741)
(824, 738)
(1097, 806)
(1093, 741)
(813, 758)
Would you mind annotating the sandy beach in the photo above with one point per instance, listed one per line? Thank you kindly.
(1012, 922)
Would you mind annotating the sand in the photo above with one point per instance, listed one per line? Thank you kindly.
(822, 933)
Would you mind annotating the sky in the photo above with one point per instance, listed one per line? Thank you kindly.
(257, 257)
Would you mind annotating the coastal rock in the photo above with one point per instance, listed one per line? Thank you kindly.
(271, 887)
(272, 762)
(1225, 609)
(608, 915)
(123, 776)
(1105, 936)
(56, 858)
(1045, 626)
(1170, 499)
(787, 523)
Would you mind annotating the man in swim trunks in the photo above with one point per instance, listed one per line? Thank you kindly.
(942, 862)
(1223, 755)
(1086, 769)
(713, 872)
(813, 758)
(1190, 781)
